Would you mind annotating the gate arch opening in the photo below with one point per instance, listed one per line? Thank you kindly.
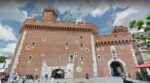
(116, 68)
(58, 74)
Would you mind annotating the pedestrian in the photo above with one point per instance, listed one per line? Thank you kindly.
(13, 78)
(17, 79)
(87, 76)
(46, 76)
(23, 80)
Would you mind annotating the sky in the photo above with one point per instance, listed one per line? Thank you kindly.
(105, 14)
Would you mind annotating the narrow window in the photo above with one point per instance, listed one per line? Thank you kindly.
(81, 45)
(66, 45)
(113, 52)
(33, 44)
(82, 59)
(29, 58)
(81, 37)
(99, 57)
(71, 58)
(75, 53)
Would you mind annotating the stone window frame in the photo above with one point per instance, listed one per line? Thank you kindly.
(99, 57)
(81, 37)
(87, 49)
(81, 59)
(71, 58)
(113, 52)
(30, 57)
(43, 38)
(81, 45)
(28, 47)
(75, 54)
(66, 45)
(33, 44)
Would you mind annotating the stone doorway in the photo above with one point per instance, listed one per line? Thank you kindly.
(116, 68)
(58, 74)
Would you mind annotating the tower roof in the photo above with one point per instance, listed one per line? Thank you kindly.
(49, 14)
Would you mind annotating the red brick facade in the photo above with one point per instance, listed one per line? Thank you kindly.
(59, 44)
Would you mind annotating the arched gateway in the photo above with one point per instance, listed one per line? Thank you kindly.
(116, 68)
(58, 74)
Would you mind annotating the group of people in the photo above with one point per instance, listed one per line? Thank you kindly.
(4, 77)
(14, 78)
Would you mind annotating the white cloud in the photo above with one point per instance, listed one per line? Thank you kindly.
(100, 9)
(11, 11)
(96, 12)
(80, 9)
(120, 17)
(135, 10)
(79, 20)
(7, 33)
(9, 49)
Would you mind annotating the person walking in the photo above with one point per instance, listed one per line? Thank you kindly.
(46, 76)
(23, 80)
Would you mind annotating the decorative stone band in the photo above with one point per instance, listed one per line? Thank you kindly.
(14, 66)
(95, 68)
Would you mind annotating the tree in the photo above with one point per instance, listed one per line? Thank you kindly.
(139, 24)
(144, 37)
(2, 59)
(132, 24)
(148, 17)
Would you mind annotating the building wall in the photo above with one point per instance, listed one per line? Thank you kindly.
(123, 55)
(50, 47)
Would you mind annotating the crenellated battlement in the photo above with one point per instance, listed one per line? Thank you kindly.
(32, 24)
(113, 39)
(120, 29)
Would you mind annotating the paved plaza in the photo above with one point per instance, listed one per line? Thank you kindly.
(91, 80)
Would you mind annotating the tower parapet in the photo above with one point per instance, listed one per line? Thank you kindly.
(120, 35)
(49, 15)
(120, 29)
(49, 22)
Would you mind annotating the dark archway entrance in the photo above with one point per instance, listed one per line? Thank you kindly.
(116, 68)
(58, 74)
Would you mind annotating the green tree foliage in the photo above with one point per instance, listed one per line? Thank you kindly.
(148, 23)
(148, 17)
(139, 24)
(132, 24)
(142, 37)
(2, 59)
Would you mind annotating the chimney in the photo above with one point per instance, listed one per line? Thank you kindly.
(49, 15)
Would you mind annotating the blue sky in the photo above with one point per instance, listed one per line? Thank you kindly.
(105, 14)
